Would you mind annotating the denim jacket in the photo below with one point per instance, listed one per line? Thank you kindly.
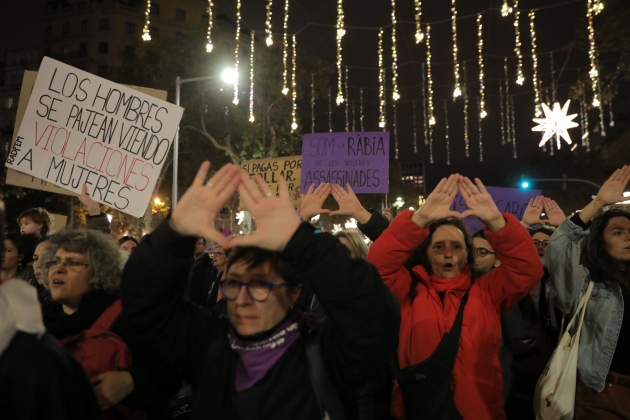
(604, 309)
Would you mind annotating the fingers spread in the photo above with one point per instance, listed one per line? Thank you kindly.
(310, 189)
(247, 240)
(201, 173)
(482, 188)
(262, 184)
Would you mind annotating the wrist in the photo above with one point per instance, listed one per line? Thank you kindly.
(420, 220)
(495, 223)
(363, 216)
(525, 224)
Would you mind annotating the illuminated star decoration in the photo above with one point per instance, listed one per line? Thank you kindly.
(555, 124)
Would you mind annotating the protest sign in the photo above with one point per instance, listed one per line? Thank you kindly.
(619, 206)
(82, 129)
(270, 169)
(358, 159)
(508, 200)
(58, 222)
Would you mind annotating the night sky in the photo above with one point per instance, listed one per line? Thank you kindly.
(314, 20)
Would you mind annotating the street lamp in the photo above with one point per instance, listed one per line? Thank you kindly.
(525, 184)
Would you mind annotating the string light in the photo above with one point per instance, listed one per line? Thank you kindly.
(430, 94)
(507, 100)
(146, 36)
(312, 102)
(448, 142)
(425, 117)
(419, 34)
(535, 65)
(513, 126)
(238, 38)
(208, 35)
(482, 89)
(415, 129)
(251, 79)
(505, 9)
(610, 113)
(594, 7)
(517, 46)
(466, 138)
(294, 125)
(361, 108)
(395, 133)
(381, 80)
(354, 116)
(285, 52)
(584, 116)
(347, 100)
(479, 119)
(602, 128)
(554, 89)
(268, 24)
(457, 92)
(385, 98)
(395, 95)
(340, 33)
(329, 111)
(501, 100)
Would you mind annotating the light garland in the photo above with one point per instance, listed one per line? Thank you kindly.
(517, 46)
(419, 34)
(513, 126)
(209, 45)
(505, 9)
(532, 31)
(584, 116)
(554, 88)
(269, 39)
(385, 98)
(430, 78)
(610, 114)
(501, 101)
(479, 119)
(329, 111)
(508, 113)
(457, 92)
(251, 78)
(448, 142)
(425, 117)
(466, 136)
(347, 102)
(395, 95)
(236, 59)
(602, 130)
(294, 125)
(146, 36)
(354, 116)
(415, 129)
(312, 102)
(340, 33)
(395, 133)
(594, 7)
(361, 108)
(381, 81)
(285, 52)
(482, 89)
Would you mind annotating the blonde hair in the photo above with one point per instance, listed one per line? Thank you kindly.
(357, 244)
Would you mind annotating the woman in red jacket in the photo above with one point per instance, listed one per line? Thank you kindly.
(431, 285)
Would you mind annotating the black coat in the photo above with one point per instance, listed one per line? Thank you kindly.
(360, 331)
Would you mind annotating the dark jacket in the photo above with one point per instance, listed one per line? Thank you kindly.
(359, 332)
(200, 277)
(375, 226)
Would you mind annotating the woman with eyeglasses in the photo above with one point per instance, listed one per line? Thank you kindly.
(265, 359)
(82, 271)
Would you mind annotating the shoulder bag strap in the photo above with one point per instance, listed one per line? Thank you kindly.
(107, 318)
(581, 308)
(327, 396)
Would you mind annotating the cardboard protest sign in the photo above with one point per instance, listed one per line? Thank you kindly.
(508, 200)
(82, 129)
(58, 222)
(359, 159)
(619, 206)
(270, 169)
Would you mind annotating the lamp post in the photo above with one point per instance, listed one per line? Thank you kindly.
(525, 184)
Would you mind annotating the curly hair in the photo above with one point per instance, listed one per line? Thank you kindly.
(103, 255)
(37, 215)
(356, 242)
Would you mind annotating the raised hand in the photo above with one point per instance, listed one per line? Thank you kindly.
(438, 203)
(387, 213)
(480, 204)
(313, 200)
(274, 216)
(554, 212)
(531, 216)
(94, 209)
(200, 204)
(612, 190)
(349, 204)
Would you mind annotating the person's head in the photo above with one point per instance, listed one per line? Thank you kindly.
(541, 237)
(200, 247)
(39, 265)
(485, 257)
(606, 251)
(80, 260)
(220, 257)
(127, 244)
(273, 289)
(35, 221)
(17, 252)
(354, 242)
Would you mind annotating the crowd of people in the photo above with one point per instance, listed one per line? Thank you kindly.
(428, 321)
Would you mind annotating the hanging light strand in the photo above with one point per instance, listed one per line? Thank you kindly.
(537, 110)
(457, 92)
(395, 132)
(419, 34)
(251, 78)
(554, 89)
(329, 111)
(341, 31)
(361, 108)
(425, 117)
(146, 36)
(505, 9)
(236, 49)
(312, 102)
(448, 142)
(395, 95)
(513, 126)
(501, 101)
(285, 51)
(594, 7)
(354, 116)
(466, 100)
(507, 100)
(294, 125)
(482, 88)
(269, 39)
(209, 33)
(584, 116)
(517, 45)
(415, 128)
(479, 119)
(347, 102)
(430, 93)
(381, 81)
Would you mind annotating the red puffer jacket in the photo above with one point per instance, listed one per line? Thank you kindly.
(477, 384)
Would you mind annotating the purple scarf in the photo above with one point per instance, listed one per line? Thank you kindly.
(256, 358)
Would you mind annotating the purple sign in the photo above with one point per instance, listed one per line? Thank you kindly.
(358, 159)
(508, 200)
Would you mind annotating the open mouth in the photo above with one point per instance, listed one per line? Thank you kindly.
(57, 283)
(448, 266)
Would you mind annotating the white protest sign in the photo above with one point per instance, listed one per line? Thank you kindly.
(82, 129)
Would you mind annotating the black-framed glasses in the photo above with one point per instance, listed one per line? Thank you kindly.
(482, 252)
(537, 243)
(216, 253)
(69, 264)
(258, 290)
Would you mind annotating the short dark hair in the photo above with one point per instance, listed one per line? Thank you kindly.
(204, 239)
(37, 215)
(127, 238)
(547, 230)
(23, 247)
(596, 258)
(254, 257)
(480, 234)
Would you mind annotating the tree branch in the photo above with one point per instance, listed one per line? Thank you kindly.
(227, 148)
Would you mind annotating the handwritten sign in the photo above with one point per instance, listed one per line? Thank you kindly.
(82, 129)
(358, 159)
(508, 200)
(271, 169)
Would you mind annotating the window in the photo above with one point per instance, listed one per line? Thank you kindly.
(155, 8)
(48, 31)
(103, 47)
(84, 25)
(103, 25)
(154, 32)
(83, 50)
(65, 29)
(66, 52)
(102, 70)
(180, 14)
(130, 28)
(225, 46)
(179, 37)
